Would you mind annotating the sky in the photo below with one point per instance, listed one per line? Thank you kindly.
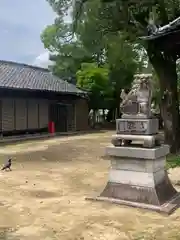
(21, 23)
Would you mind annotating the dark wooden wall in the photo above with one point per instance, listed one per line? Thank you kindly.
(30, 111)
(26, 111)
(20, 115)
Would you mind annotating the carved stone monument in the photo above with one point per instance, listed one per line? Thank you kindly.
(137, 122)
(137, 176)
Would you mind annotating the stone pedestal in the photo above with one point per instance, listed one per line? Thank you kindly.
(138, 178)
(141, 130)
(137, 126)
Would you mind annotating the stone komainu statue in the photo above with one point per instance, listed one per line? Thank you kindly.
(138, 101)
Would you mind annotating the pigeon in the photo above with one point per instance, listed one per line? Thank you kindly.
(7, 165)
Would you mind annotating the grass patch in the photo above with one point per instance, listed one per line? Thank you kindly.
(173, 161)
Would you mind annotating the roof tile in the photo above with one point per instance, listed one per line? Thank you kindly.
(22, 76)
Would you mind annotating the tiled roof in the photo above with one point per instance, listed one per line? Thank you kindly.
(173, 26)
(21, 76)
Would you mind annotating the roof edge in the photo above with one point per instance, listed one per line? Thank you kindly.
(24, 65)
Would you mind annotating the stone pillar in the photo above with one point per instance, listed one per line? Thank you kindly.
(138, 178)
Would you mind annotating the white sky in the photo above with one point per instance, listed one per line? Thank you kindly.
(21, 23)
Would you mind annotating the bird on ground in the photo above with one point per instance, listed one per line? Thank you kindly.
(7, 165)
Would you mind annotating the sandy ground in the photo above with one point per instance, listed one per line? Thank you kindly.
(43, 197)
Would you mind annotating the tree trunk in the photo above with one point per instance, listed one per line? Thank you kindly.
(94, 118)
(118, 100)
(104, 118)
(165, 66)
(110, 115)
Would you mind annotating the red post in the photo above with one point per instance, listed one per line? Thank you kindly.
(51, 127)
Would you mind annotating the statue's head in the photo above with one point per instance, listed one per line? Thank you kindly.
(143, 81)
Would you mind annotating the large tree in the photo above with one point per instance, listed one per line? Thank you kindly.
(91, 45)
(133, 18)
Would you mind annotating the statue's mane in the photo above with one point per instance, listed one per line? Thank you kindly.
(142, 78)
(137, 84)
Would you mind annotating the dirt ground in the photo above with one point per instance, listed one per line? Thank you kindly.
(43, 198)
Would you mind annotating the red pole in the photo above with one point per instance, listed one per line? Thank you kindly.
(51, 127)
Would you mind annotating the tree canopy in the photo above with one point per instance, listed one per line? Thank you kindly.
(91, 47)
(95, 80)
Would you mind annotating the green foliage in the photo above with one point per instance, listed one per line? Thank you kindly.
(91, 77)
(61, 7)
(173, 161)
(95, 80)
(131, 17)
(67, 56)
(92, 43)
(69, 59)
(124, 61)
(95, 46)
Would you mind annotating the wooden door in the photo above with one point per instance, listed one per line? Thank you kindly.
(58, 114)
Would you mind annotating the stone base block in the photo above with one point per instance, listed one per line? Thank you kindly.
(137, 126)
(136, 116)
(167, 208)
(137, 152)
(161, 198)
(137, 177)
(147, 141)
